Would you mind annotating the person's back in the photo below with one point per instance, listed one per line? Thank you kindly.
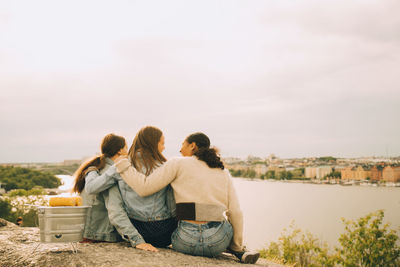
(196, 182)
(153, 215)
(203, 192)
(158, 206)
(107, 219)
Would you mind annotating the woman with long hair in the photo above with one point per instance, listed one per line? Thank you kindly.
(207, 207)
(107, 216)
(153, 215)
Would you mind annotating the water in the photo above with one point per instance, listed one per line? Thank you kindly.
(67, 182)
(270, 206)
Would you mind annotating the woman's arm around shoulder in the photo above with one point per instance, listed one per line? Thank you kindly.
(151, 184)
(96, 183)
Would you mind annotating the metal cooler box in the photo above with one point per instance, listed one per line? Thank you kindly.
(62, 224)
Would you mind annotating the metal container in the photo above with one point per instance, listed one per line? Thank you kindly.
(62, 224)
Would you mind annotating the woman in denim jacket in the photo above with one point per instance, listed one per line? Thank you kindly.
(107, 217)
(207, 206)
(154, 215)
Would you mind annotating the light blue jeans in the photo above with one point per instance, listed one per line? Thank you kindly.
(209, 239)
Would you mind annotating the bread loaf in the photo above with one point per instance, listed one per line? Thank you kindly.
(65, 201)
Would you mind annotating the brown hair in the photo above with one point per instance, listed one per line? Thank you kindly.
(204, 152)
(144, 150)
(110, 145)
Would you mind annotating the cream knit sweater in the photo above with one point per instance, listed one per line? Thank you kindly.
(192, 181)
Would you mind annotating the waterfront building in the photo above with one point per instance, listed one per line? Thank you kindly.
(347, 173)
(317, 172)
(391, 174)
(376, 173)
(356, 173)
(323, 171)
(362, 173)
(310, 172)
(260, 169)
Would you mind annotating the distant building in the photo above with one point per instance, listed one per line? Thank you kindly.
(362, 173)
(376, 173)
(231, 160)
(317, 172)
(310, 172)
(356, 173)
(347, 173)
(260, 169)
(391, 174)
(68, 162)
(251, 158)
(271, 158)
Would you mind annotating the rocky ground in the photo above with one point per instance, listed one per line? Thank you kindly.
(17, 248)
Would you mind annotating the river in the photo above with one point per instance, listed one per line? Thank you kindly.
(270, 206)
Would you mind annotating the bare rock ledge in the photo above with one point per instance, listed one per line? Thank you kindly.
(17, 248)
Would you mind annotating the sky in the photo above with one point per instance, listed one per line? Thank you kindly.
(293, 78)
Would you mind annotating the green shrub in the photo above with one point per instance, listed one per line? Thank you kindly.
(23, 178)
(297, 248)
(21, 205)
(36, 191)
(6, 210)
(365, 243)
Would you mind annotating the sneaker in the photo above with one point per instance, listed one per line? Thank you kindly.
(250, 257)
(245, 256)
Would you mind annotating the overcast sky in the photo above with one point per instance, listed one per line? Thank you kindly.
(294, 78)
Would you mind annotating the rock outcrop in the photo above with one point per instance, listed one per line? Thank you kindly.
(20, 246)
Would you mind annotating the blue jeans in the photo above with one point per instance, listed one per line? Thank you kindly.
(209, 239)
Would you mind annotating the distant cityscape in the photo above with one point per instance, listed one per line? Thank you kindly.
(368, 169)
(373, 170)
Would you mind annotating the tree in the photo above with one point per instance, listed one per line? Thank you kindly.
(298, 173)
(285, 175)
(327, 159)
(367, 243)
(270, 174)
(335, 174)
(23, 178)
(250, 173)
(6, 210)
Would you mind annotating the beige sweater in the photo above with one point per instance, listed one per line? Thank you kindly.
(192, 181)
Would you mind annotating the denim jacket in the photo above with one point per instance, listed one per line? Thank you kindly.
(158, 206)
(107, 216)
